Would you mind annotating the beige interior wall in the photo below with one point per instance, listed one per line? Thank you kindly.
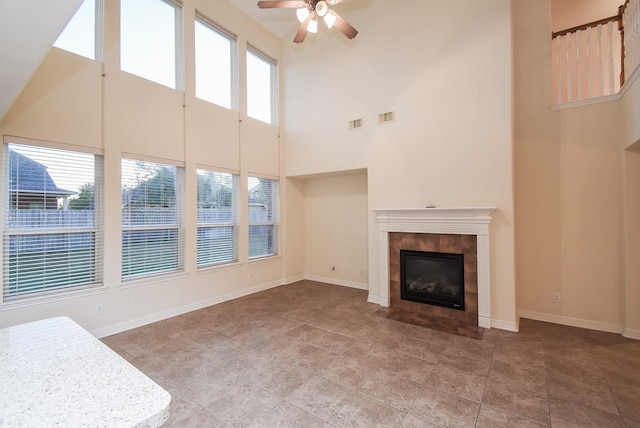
(294, 217)
(569, 193)
(70, 101)
(336, 229)
(450, 142)
(571, 13)
(632, 242)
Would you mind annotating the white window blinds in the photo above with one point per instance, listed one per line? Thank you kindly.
(151, 218)
(52, 220)
(264, 217)
(217, 217)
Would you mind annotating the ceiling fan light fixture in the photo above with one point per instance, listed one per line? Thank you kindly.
(329, 19)
(321, 8)
(313, 26)
(302, 13)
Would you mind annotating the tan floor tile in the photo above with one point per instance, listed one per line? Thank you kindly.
(412, 421)
(238, 358)
(526, 404)
(445, 409)
(568, 415)
(627, 399)
(333, 342)
(286, 415)
(243, 403)
(305, 332)
(391, 389)
(363, 411)
(494, 418)
(582, 389)
(528, 376)
(320, 397)
(632, 423)
(285, 381)
(186, 413)
(348, 371)
(457, 382)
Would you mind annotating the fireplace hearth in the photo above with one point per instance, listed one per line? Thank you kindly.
(432, 278)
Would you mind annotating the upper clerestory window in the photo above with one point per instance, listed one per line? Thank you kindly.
(151, 40)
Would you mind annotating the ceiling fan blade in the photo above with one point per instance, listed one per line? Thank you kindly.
(342, 25)
(282, 3)
(302, 31)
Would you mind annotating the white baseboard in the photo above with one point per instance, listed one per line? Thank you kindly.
(351, 284)
(631, 333)
(159, 316)
(291, 280)
(572, 322)
(504, 325)
(377, 300)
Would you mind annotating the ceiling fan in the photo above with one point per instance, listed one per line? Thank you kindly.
(308, 12)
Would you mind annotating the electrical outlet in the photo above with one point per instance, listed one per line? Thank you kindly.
(99, 309)
(556, 297)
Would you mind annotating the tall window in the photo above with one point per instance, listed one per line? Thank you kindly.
(52, 220)
(83, 34)
(264, 217)
(151, 40)
(215, 65)
(261, 87)
(151, 218)
(217, 217)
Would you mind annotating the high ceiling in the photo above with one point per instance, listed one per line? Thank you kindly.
(278, 21)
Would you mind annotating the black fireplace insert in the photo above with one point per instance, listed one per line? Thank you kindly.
(432, 278)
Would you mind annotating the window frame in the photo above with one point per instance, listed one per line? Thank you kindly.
(233, 60)
(235, 209)
(273, 83)
(273, 222)
(98, 48)
(97, 229)
(178, 226)
(179, 81)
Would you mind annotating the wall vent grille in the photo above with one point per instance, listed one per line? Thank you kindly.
(355, 124)
(386, 117)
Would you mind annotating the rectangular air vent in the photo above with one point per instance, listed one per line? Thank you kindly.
(355, 124)
(386, 117)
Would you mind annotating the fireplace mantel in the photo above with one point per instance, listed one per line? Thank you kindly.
(460, 221)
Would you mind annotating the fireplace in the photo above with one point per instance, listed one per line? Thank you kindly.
(448, 230)
(432, 278)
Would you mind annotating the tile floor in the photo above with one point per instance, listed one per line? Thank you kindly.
(315, 355)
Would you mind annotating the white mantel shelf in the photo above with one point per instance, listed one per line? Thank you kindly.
(449, 220)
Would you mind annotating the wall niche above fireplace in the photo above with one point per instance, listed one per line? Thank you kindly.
(432, 278)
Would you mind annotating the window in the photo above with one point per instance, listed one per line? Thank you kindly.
(215, 65)
(52, 220)
(83, 34)
(151, 40)
(264, 202)
(151, 218)
(261, 87)
(217, 217)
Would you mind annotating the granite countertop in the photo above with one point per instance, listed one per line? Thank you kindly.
(55, 373)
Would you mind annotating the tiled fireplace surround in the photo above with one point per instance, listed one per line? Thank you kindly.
(448, 230)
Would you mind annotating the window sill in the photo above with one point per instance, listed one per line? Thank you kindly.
(263, 259)
(53, 297)
(213, 268)
(152, 279)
